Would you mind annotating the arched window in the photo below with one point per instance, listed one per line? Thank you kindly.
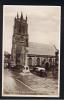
(17, 58)
(20, 28)
(23, 29)
(38, 61)
(26, 42)
(18, 54)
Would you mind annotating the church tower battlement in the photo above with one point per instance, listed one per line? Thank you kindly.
(19, 40)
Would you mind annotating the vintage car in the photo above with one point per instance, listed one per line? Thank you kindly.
(41, 71)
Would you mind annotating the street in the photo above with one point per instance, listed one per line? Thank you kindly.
(30, 84)
(13, 86)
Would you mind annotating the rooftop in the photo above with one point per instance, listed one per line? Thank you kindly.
(41, 49)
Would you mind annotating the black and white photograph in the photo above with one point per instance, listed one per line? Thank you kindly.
(31, 51)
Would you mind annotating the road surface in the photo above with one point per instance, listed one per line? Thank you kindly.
(14, 86)
(30, 84)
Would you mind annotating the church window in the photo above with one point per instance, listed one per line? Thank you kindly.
(26, 42)
(23, 30)
(19, 28)
(38, 61)
(17, 58)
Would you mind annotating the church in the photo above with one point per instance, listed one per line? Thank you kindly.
(36, 52)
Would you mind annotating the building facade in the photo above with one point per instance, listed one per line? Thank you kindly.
(6, 59)
(37, 53)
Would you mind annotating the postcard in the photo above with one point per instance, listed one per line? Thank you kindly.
(31, 51)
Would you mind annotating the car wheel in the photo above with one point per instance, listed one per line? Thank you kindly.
(41, 73)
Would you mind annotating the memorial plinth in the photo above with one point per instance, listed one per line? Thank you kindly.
(26, 67)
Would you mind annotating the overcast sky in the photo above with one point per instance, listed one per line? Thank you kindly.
(43, 24)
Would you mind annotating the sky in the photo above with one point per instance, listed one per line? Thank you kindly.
(43, 24)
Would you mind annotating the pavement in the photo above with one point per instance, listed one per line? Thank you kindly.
(28, 84)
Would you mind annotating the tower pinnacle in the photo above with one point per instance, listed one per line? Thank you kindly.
(21, 16)
(26, 17)
(17, 15)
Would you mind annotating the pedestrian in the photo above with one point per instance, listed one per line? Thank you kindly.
(47, 66)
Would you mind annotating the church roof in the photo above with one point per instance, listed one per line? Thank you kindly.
(41, 49)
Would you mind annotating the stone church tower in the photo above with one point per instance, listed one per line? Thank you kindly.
(19, 40)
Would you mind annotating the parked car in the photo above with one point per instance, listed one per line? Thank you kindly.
(41, 71)
(5, 65)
